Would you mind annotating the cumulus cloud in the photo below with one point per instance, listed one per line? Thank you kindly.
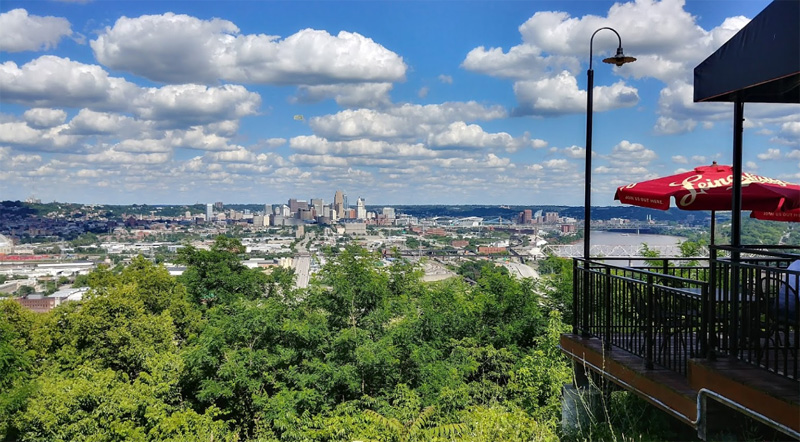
(112, 156)
(460, 135)
(195, 104)
(54, 81)
(664, 37)
(626, 153)
(360, 147)
(679, 159)
(404, 122)
(44, 117)
(369, 95)
(89, 122)
(176, 48)
(770, 154)
(22, 32)
(20, 134)
(446, 79)
(560, 95)
(575, 152)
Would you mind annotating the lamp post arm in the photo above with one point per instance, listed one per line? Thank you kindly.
(591, 41)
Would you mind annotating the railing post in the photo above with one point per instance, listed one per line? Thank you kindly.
(734, 311)
(711, 307)
(648, 338)
(575, 303)
(587, 294)
(704, 320)
(607, 301)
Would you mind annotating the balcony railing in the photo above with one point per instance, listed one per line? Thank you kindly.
(667, 311)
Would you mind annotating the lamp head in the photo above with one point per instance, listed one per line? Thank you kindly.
(619, 59)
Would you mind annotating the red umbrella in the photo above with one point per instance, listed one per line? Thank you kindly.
(789, 215)
(709, 188)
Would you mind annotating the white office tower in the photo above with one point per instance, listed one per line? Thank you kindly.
(209, 212)
(361, 211)
(388, 212)
(285, 211)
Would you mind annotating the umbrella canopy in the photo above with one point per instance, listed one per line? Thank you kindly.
(709, 188)
(792, 216)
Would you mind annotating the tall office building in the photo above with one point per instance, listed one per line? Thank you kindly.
(316, 204)
(209, 212)
(361, 210)
(338, 203)
(388, 212)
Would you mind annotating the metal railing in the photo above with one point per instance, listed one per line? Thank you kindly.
(650, 314)
(670, 310)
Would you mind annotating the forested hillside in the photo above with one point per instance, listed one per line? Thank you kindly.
(368, 352)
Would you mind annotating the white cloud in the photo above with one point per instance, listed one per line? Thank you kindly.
(423, 92)
(556, 165)
(679, 159)
(44, 117)
(89, 122)
(49, 139)
(459, 135)
(561, 95)
(23, 160)
(626, 153)
(369, 95)
(189, 104)
(360, 147)
(446, 79)
(539, 144)
(751, 166)
(575, 152)
(671, 126)
(404, 122)
(770, 154)
(184, 49)
(55, 81)
(22, 32)
(116, 157)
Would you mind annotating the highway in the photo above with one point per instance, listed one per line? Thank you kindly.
(302, 262)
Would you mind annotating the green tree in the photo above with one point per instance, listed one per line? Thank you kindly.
(217, 275)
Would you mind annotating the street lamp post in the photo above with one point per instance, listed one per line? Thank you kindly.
(619, 59)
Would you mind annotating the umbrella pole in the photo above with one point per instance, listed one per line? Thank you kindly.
(713, 228)
(709, 333)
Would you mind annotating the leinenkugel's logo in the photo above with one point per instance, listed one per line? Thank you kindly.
(696, 184)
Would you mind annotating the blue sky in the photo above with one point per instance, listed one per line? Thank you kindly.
(399, 102)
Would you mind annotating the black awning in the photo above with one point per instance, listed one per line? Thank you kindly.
(760, 64)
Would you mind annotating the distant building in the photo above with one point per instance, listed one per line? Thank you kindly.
(355, 228)
(551, 217)
(296, 205)
(338, 204)
(361, 210)
(388, 212)
(483, 250)
(6, 246)
(209, 212)
(260, 220)
(459, 244)
(219, 206)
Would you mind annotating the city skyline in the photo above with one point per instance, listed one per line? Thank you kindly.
(443, 102)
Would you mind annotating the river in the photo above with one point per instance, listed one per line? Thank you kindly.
(632, 239)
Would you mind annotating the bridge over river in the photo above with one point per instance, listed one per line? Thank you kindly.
(615, 251)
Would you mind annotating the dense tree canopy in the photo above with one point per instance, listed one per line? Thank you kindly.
(367, 352)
